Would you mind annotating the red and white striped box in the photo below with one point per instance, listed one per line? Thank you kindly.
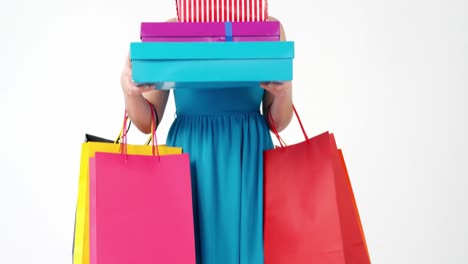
(222, 10)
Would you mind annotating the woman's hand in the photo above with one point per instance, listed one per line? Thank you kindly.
(126, 81)
(278, 89)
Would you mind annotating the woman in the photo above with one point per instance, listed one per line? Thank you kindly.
(225, 134)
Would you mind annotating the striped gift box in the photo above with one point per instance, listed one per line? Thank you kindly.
(222, 10)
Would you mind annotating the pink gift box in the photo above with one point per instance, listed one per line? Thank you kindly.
(209, 31)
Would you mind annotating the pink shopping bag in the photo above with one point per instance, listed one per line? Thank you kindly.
(140, 209)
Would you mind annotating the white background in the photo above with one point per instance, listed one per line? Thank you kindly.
(389, 78)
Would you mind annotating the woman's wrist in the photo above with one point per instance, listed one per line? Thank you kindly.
(281, 109)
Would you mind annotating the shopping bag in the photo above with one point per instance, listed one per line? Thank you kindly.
(221, 10)
(353, 199)
(140, 208)
(310, 212)
(92, 145)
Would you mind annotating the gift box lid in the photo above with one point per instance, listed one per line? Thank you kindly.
(211, 50)
(209, 29)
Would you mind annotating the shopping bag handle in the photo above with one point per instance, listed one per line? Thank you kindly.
(275, 131)
(119, 137)
(153, 140)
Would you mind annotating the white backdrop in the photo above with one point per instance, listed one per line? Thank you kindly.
(389, 78)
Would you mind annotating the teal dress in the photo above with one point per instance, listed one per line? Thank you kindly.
(225, 135)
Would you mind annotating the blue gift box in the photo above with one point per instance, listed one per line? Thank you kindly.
(172, 65)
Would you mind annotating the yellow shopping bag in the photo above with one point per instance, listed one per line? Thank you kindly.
(88, 149)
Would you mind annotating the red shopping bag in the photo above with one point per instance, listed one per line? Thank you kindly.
(310, 212)
(140, 208)
(221, 10)
(350, 191)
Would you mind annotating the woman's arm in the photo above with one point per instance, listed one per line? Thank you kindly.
(277, 99)
(139, 111)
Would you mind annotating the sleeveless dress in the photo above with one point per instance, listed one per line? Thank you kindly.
(225, 135)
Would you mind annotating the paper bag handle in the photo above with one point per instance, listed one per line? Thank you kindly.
(152, 138)
(119, 137)
(275, 131)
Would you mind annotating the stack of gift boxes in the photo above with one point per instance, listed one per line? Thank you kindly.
(219, 52)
